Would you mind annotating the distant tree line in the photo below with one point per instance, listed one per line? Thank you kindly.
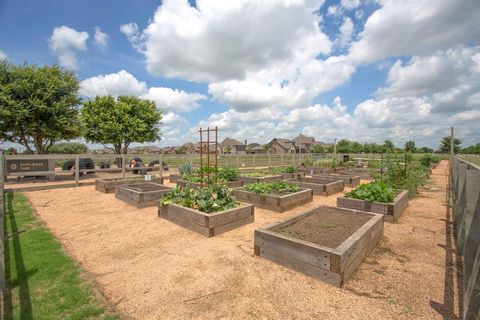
(40, 107)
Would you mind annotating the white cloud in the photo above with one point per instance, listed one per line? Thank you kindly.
(115, 84)
(449, 79)
(130, 30)
(65, 42)
(219, 41)
(124, 83)
(174, 99)
(100, 38)
(415, 27)
(3, 55)
(175, 129)
(346, 32)
(285, 86)
(350, 4)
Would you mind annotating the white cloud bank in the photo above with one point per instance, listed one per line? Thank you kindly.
(124, 83)
(417, 27)
(65, 42)
(268, 60)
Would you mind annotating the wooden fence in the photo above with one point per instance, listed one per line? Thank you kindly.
(465, 196)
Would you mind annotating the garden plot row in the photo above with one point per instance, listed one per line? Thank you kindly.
(328, 243)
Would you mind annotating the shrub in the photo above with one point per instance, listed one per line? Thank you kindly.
(428, 160)
(208, 199)
(69, 148)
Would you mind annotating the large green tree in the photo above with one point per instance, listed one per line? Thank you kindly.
(410, 146)
(38, 105)
(121, 121)
(445, 145)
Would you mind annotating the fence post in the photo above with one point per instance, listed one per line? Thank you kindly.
(2, 230)
(123, 166)
(77, 170)
(254, 161)
(281, 159)
(471, 256)
(269, 161)
(238, 167)
(160, 162)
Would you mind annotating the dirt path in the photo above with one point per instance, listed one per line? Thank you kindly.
(149, 268)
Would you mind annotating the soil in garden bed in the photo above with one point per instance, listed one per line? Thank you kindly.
(327, 228)
(144, 187)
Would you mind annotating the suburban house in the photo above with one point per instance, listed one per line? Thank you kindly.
(256, 148)
(189, 147)
(232, 146)
(303, 144)
(281, 146)
(145, 149)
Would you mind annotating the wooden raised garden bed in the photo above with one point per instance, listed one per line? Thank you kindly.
(174, 177)
(327, 243)
(275, 202)
(296, 175)
(348, 180)
(194, 185)
(249, 180)
(320, 186)
(391, 211)
(141, 195)
(108, 185)
(207, 224)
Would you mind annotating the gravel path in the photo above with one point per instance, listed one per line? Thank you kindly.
(149, 268)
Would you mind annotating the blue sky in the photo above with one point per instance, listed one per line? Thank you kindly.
(362, 70)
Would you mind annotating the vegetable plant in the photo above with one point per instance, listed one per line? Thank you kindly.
(277, 187)
(208, 199)
(377, 191)
(288, 169)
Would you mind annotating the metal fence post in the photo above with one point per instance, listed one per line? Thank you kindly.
(254, 161)
(77, 170)
(123, 166)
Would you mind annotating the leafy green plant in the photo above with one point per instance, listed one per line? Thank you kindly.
(287, 169)
(253, 174)
(227, 174)
(308, 161)
(428, 160)
(208, 199)
(278, 187)
(185, 169)
(377, 191)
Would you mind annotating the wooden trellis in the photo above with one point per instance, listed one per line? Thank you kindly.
(211, 151)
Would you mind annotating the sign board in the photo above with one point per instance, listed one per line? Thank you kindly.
(30, 165)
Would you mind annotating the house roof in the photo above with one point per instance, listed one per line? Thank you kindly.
(230, 142)
(188, 145)
(287, 144)
(302, 139)
(253, 145)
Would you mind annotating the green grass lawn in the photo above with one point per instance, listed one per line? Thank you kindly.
(475, 159)
(42, 281)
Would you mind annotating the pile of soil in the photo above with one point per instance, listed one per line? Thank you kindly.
(327, 227)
